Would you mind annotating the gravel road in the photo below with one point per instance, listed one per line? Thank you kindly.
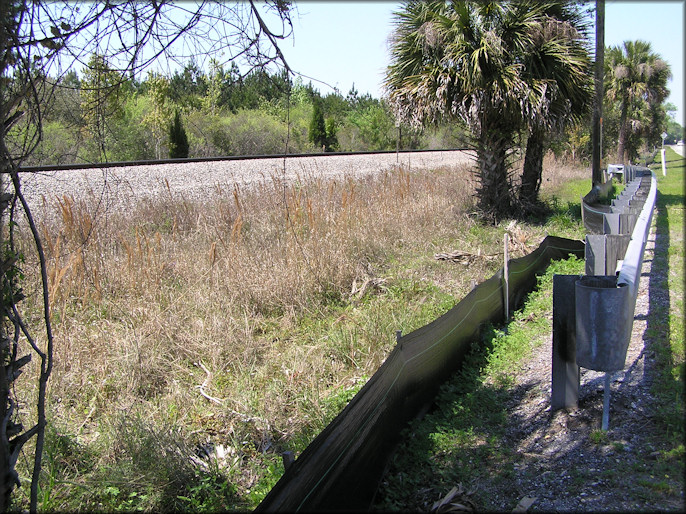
(196, 180)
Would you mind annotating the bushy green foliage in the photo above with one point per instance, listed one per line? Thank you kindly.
(101, 102)
(253, 132)
(132, 139)
(224, 114)
(675, 132)
(58, 146)
(331, 141)
(376, 128)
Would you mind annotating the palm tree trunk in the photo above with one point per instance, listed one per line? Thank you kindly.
(494, 188)
(533, 168)
(622, 132)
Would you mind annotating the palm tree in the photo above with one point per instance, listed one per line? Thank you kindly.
(558, 65)
(499, 67)
(657, 94)
(635, 78)
(459, 60)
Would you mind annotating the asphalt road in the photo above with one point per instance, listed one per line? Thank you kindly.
(678, 149)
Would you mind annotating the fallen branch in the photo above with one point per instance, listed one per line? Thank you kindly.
(202, 386)
(369, 283)
(219, 401)
(466, 257)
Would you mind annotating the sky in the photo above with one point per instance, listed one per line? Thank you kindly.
(341, 43)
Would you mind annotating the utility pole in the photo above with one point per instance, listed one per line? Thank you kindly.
(597, 128)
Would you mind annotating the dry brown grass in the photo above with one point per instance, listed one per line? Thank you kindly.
(558, 172)
(141, 298)
(236, 318)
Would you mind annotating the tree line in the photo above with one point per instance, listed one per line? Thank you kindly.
(527, 104)
(101, 115)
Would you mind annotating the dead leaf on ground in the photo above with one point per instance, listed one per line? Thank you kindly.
(455, 501)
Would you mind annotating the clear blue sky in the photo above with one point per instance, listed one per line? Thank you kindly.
(343, 42)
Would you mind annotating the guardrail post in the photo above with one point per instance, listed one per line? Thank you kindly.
(603, 328)
(565, 371)
(595, 254)
(606, 403)
(605, 252)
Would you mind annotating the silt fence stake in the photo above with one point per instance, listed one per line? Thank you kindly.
(506, 275)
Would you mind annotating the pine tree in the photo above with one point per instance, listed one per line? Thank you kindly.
(178, 140)
(317, 132)
(331, 142)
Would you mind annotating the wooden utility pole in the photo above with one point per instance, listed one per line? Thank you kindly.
(597, 129)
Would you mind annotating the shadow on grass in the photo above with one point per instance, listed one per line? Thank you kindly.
(657, 337)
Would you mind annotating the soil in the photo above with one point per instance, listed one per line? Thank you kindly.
(563, 461)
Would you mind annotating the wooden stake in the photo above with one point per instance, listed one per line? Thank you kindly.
(506, 275)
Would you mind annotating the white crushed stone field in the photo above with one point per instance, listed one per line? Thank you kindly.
(120, 187)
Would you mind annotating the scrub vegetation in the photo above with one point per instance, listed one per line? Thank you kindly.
(197, 341)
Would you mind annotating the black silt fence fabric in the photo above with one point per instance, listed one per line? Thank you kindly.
(340, 470)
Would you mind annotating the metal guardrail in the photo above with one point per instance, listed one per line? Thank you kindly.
(593, 314)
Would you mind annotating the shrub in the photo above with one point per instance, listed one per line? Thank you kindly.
(317, 132)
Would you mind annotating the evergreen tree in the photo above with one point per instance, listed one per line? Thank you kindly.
(331, 142)
(317, 132)
(158, 117)
(101, 101)
(178, 140)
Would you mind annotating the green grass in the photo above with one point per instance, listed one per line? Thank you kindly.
(459, 441)
(665, 322)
